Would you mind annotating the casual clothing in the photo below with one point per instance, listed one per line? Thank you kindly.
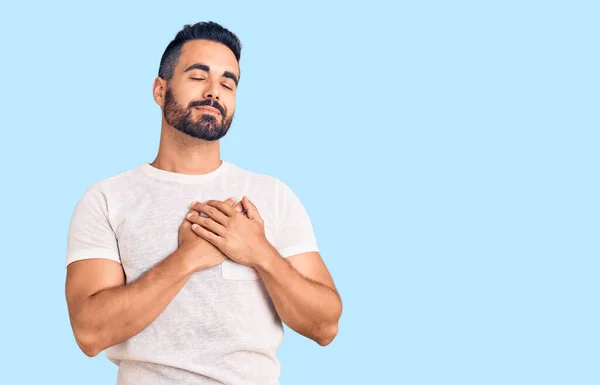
(222, 326)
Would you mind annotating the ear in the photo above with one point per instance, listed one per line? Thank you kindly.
(159, 89)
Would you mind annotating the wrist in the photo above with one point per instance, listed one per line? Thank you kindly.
(184, 256)
(265, 260)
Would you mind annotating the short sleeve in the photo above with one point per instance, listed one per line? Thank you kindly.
(295, 233)
(90, 233)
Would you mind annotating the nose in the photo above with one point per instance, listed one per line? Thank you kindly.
(212, 90)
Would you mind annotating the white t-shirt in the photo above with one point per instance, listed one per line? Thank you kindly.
(222, 326)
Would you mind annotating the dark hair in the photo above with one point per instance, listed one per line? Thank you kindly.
(202, 30)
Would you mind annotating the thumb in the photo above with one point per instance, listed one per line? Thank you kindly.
(230, 201)
(185, 224)
(251, 210)
(236, 205)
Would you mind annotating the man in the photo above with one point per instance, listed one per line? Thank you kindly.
(168, 271)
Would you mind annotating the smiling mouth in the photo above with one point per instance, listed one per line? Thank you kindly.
(209, 109)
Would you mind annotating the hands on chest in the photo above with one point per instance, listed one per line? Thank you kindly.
(224, 231)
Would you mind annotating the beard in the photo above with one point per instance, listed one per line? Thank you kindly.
(207, 127)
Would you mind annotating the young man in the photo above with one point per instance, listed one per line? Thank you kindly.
(179, 280)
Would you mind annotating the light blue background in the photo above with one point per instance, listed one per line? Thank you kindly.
(446, 151)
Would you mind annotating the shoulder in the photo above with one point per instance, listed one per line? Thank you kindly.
(115, 182)
(103, 195)
(256, 181)
(279, 190)
(269, 192)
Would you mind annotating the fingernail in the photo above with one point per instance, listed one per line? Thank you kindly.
(194, 202)
(194, 226)
(189, 215)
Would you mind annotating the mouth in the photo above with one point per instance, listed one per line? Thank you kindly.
(208, 109)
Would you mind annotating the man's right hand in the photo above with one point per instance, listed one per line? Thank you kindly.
(203, 254)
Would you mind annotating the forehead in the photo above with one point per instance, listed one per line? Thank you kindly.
(215, 55)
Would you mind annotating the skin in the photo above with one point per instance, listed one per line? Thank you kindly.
(300, 286)
(104, 311)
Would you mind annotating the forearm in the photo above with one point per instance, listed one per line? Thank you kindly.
(307, 307)
(117, 314)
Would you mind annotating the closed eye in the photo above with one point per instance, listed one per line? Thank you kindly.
(226, 86)
(197, 78)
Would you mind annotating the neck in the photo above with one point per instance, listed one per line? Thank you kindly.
(183, 154)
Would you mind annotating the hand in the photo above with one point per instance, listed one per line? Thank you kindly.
(240, 237)
(203, 254)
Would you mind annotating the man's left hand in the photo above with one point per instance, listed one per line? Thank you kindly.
(239, 236)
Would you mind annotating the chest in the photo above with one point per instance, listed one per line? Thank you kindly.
(148, 227)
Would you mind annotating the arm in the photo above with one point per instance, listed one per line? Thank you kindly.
(303, 294)
(301, 287)
(104, 311)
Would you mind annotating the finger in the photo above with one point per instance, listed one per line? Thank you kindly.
(230, 201)
(207, 223)
(211, 211)
(238, 207)
(187, 216)
(251, 209)
(207, 235)
(222, 207)
(186, 224)
(243, 210)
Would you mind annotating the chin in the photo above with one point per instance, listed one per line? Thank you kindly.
(210, 118)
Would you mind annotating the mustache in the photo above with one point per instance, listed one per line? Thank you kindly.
(208, 102)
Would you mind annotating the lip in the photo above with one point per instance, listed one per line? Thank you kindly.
(209, 109)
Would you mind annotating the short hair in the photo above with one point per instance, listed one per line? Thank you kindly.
(200, 31)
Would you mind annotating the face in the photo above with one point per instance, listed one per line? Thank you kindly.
(199, 99)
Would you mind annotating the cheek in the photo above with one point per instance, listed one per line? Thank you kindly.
(182, 92)
(182, 96)
(230, 105)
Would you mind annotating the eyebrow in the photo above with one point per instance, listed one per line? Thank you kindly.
(204, 67)
(231, 76)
